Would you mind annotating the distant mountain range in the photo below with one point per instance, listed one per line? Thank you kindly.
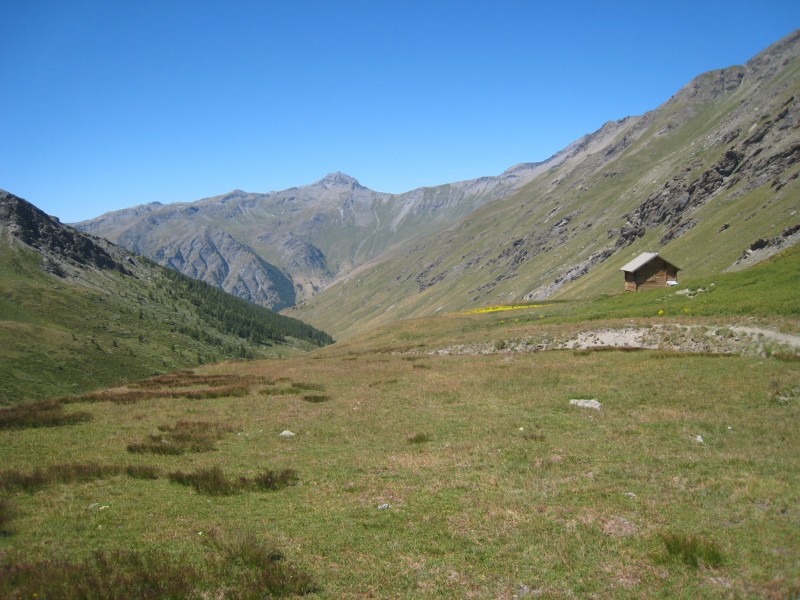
(701, 179)
(281, 248)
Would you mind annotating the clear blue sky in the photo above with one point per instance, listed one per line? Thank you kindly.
(106, 104)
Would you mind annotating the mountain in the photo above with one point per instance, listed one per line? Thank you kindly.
(78, 312)
(701, 179)
(281, 248)
(708, 179)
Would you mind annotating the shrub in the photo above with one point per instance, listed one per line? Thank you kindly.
(6, 515)
(272, 481)
(206, 481)
(155, 447)
(315, 398)
(105, 575)
(142, 472)
(13, 479)
(267, 570)
(213, 481)
(250, 569)
(48, 413)
(184, 436)
(692, 550)
(309, 387)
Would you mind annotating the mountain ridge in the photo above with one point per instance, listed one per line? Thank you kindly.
(534, 231)
(296, 236)
(700, 178)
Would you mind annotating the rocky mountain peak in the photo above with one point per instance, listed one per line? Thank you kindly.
(339, 180)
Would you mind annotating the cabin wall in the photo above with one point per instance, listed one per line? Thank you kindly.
(654, 274)
(630, 282)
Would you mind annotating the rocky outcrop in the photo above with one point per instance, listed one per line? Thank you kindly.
(60, 245)
(219, 259)
(764, 248)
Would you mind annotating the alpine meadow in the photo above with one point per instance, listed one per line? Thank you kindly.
(340, 393)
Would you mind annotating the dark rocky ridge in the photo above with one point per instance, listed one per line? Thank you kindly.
(58, 243)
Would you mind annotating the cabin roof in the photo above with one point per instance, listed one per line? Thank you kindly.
(641, 260)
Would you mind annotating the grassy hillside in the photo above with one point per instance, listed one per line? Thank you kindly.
(766, 293)
(699, 180)
(60, 335)
(419, 475)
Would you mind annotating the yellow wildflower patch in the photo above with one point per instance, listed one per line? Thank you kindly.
(500, 308)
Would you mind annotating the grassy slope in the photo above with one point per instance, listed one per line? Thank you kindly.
(495, 485)
(598, 193)
(58, 338)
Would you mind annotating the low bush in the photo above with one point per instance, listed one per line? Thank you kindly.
(272, 481)
(315, 398)
(692, 550)
(49, 413)
(6, 516)
(13, 479)
(308, 387)
(267, 570)
(184, 436)
(213, 481)
(106, 575)
(418, 438)
(142, 472)
(206, 481)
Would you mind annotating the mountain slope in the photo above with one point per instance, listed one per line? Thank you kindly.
(77, 312)
(700, 179)
(280, 248)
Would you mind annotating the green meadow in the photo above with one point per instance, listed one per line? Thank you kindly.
(417, 475)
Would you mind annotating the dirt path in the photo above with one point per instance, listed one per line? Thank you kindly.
(732, 339)
(783, 338)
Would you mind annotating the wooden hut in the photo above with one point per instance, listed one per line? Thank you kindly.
(649, 270)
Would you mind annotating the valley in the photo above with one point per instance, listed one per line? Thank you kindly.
(456, 399)
(437, 457)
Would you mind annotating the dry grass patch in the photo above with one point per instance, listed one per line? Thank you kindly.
(245, 568)
(183, 384)
(184, 436)
(214, 482)
(49, 413)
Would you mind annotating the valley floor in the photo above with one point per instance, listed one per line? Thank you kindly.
(418, 471)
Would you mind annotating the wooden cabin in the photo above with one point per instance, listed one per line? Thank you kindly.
(649, 270)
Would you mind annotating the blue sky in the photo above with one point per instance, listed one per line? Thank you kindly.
(108, 104)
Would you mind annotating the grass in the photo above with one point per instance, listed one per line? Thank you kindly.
(470, 476)
(494, 484)
(60, 337)
(260, 571)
